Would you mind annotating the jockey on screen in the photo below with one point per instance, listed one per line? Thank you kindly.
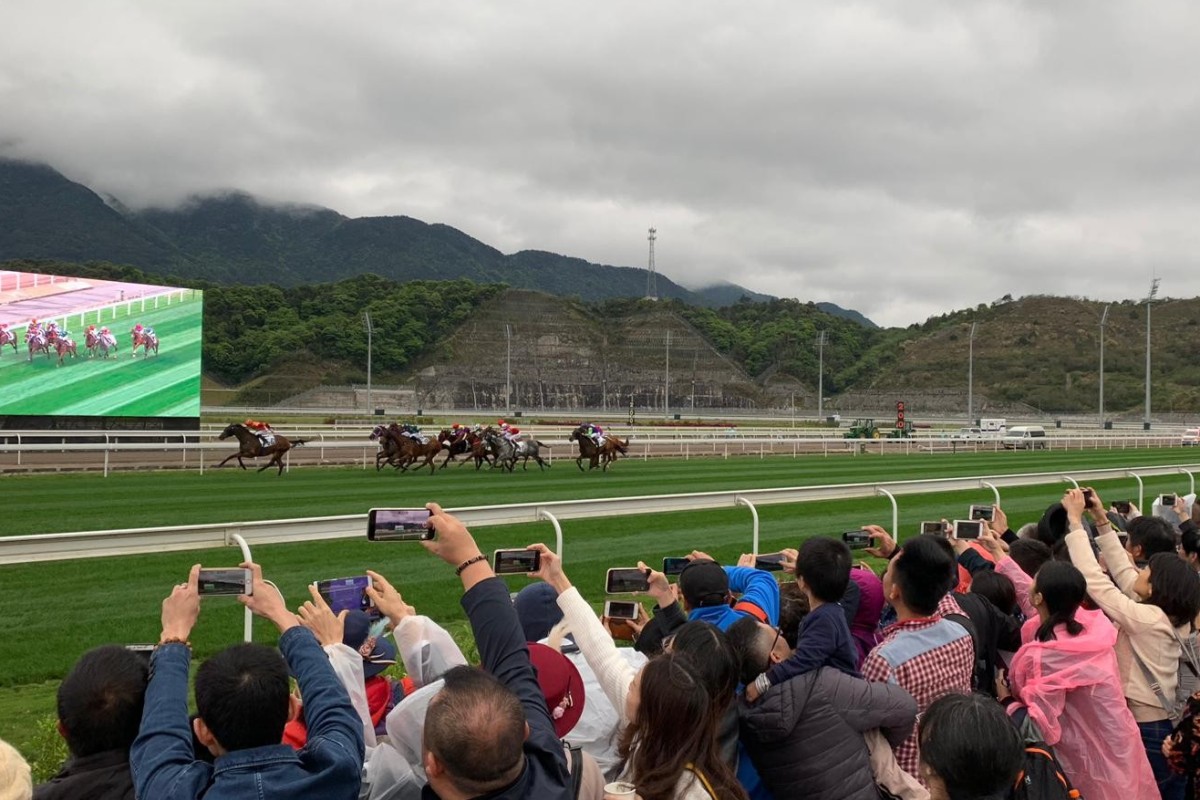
(34, 329)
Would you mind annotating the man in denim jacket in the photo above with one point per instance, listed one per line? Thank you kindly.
(243, 703)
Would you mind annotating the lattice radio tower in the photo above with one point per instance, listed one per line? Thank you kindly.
(651, 275)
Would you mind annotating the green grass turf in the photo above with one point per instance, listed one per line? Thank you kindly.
(138, 499)
(56, 610)
(167, 384)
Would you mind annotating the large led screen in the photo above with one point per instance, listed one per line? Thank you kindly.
(131, 350)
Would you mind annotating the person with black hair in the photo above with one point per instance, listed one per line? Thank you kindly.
(923, 652)
(1147, 537)
(708, 591)
(1189, 548)
(1150, 628)
(822, 573)
(243, 703)
(969, 751)
(99, 709)
(999, 590)
(1065, 679)
(801, 726)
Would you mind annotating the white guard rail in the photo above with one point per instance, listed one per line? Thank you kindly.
(90, 544)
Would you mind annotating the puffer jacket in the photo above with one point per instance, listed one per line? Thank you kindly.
(805, 736)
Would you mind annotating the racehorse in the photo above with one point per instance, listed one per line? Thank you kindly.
(250, 446)
(144, 340)
(8, 337)
(504, 452)
(63, 346)
(37, 344)
(412, 450)
(389, 451)
(607, 452)
(529, 448)
(106, 342)
(455, 445)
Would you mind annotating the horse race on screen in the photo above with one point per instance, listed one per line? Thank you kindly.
(87, 347)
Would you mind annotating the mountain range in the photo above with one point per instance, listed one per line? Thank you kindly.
(234, 238)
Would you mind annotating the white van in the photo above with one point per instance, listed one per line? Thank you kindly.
(1025, 437)
(1191, 437)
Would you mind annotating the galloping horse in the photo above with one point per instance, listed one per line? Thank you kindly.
(412, 451)
(63, 346)
(454, 445)
(607, 452)
(8, 337)
(504, 452)
(37, 344)
(389, 443)
(106, 342)
(529, 448)
(252, 447)
(146, 341)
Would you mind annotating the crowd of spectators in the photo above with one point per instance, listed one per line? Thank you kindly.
(1057, 661)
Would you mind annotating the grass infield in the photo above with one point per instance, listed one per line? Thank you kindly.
(56, 610)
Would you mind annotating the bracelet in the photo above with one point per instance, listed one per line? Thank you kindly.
(762, 683)
(469, 562)
(175, 640)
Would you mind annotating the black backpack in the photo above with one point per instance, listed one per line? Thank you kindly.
(983, 678)
(1042, 777)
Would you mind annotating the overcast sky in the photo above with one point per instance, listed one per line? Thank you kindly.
(901, 158)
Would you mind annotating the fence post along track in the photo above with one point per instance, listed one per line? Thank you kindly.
(91, 544)
(248, 632)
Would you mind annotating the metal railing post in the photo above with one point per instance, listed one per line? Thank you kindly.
(995, 491)
(1191, 478)
(741, 501)
(895, 531)
(558, 536)
(248, 632)
(1141, 492)
(1071, 481)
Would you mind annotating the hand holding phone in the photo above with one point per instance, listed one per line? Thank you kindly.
(399, 525)
(933, 528)
(327, 625)
(770, 562)
(217, 581)
(981, 512)
(857, 540)
(347, 594)
(967, 529)
(516, 562)
(626, 580)
(673, 565)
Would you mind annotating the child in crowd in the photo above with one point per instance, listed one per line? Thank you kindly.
(822, 573)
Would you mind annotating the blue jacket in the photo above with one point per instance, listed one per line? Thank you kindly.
(823, 641)
(329, 766)
(759, 599)
(503, 653)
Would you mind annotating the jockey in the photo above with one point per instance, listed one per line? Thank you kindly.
(255, 425)
(457, 432)
(511, 433)
(412, 431)
(33, 329)
(595, 433)
(149, 332)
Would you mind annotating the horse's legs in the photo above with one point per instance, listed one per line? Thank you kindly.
(579, 462)
(226, 461)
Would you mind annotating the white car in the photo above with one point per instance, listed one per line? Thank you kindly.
(1191, 437)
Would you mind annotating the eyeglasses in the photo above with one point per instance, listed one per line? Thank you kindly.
(771, 649)
(667, 641)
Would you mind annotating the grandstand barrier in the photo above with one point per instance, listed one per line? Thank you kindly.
(91, 544)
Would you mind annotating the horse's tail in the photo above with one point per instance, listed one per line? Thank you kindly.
(541, 444)
(298, 442)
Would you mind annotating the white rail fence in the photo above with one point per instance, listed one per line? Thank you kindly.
(91, 544)
(109, 450)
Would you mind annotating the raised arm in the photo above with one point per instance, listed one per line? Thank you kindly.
(759, 593)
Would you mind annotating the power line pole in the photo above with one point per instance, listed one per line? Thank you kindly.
(651, 275)
(822, 340)
(1149, 301)
(370, 331)
(667, 381)
(971, 377)
(1103, 324)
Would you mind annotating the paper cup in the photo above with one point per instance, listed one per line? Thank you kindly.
(619, 789)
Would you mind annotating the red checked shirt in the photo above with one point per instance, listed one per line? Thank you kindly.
(929, 657)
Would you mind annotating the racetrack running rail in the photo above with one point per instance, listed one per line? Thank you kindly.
(92, 544)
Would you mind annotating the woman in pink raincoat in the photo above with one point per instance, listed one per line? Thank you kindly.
(1065, 678)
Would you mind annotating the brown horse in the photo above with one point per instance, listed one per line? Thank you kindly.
(455, 445)
(389, 448)
(37, 344)
(145, 340)
(412, 451)
(252, 447)
(64, 346)
(606, 453)
(8, 337)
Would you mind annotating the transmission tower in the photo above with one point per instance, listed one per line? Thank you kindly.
(651, 275)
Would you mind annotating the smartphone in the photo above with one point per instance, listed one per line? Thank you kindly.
(967, 529)
(227, 581)
(619, 609)
(399, 525)
(857, 540)
(347, 594)
(623, 580)
(982, 512)
(771, 562)
(673, 565)
(516, 562)
(1123, 507)
(621, 629)
(1088, 494)
(934, 527)
(1167, 501)
(143, 650)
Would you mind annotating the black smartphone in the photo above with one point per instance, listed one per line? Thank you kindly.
(967, 529)
(934, 527)
(226, 581)
(673, 565)
(399, 525)
(1123, 507)
(516, 562)
(623, 580)
(619, 609)
(771, 562)
(982, 512)
(857, 540)
(1088, 494)
(347, 594)
(1167, 501)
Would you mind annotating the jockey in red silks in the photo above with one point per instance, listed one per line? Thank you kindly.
(509, 432)
(457, 432)
(33, 330)
(256, 426)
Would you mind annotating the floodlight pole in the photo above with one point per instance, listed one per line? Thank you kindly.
(971, 376)
(1149, 301)
(667, 381)
(1103, 324)
(370, 331)
(508, 371)
(822, 340)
